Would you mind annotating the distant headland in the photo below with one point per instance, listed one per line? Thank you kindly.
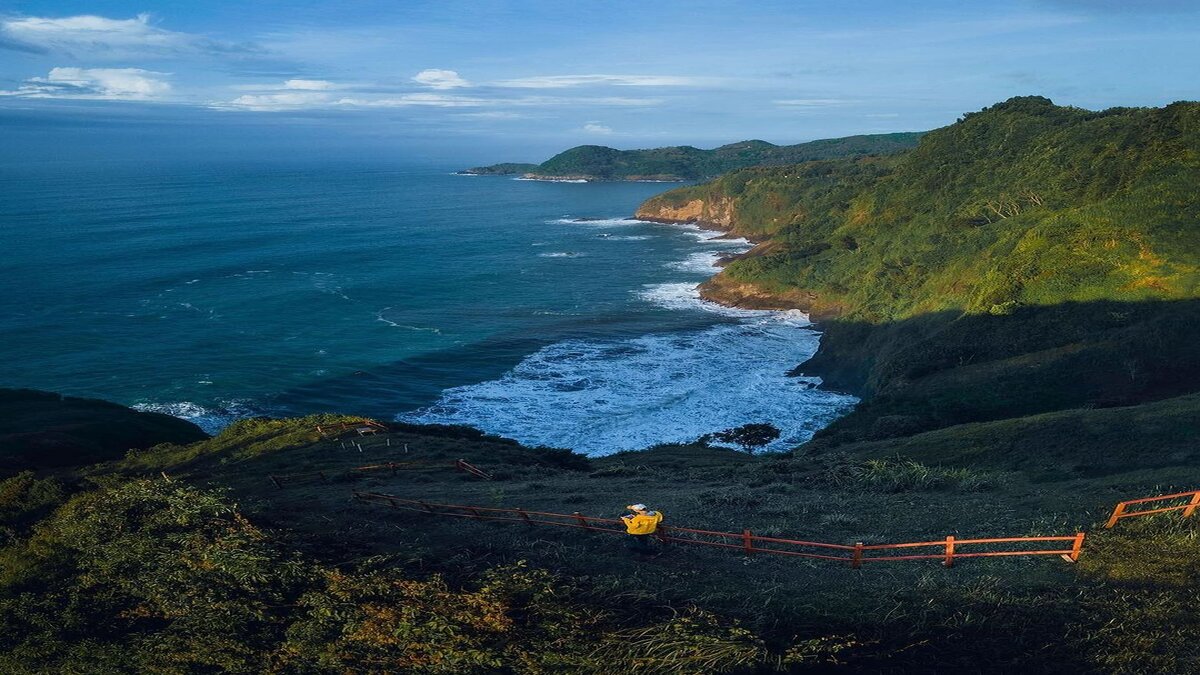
(686, 163)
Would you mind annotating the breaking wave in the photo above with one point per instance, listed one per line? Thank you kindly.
(600, 397)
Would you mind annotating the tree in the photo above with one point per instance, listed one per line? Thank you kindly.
(749, 437)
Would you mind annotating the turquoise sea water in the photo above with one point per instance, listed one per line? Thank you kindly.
(533, 310)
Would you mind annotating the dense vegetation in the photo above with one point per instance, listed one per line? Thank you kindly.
(597, 162)
(1024, 203)
(502, 169)
(1029, 258)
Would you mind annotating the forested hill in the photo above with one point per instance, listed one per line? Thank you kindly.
(597, 162)
(1023, 203)
(1026, 261)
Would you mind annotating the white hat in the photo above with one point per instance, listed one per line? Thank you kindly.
(638, 507)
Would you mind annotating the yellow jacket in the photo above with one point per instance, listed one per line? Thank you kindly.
(642, 523)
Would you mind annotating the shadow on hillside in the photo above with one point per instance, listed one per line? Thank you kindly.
(944, 369)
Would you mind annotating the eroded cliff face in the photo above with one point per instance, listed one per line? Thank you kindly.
(716, 212)
(730, 292)
(719, 212)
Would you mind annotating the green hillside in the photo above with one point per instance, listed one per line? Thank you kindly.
(597, 162)
(188, 558)
(1016, 262)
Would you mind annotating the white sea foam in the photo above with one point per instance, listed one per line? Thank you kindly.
(600, 397)
(211, 420)
(553, 180)
(380, 317)
(599, 222)
(714, 236)
(685, 296)
(629, 237)
(701, 262)
(561, 254)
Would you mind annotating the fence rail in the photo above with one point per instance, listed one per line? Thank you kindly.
(746, 541)
(1188, 508)
(281, 479)
(363, 426)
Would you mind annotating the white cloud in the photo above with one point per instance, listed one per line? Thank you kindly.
(597, 128)
(118, 84)
(494, 115)
(288, 95)
(289, 85)
(298, 94)
(308, 85)
(456, 101)
(811, 102)
(101, 37)
(561, 81)
(283, 101)
(440, 79)
(433, 100)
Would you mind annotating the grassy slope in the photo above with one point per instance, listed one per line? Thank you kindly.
(689, 163)
(1037, 614)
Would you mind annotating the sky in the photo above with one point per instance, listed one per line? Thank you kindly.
(483, 81)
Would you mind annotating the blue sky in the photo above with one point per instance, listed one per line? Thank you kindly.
(492, 80)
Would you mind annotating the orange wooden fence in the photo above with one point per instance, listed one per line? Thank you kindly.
(947, 550)
(281, 479)
(1188, 508)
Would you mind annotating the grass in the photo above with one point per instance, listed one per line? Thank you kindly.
(734, 613)
(899, 474)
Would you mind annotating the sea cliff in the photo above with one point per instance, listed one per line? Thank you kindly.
(1015, 263)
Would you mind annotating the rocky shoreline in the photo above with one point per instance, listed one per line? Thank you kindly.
(720, 288)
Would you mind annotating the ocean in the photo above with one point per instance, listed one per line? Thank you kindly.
(532, 310)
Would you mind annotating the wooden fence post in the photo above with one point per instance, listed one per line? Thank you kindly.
(949, 551)
(1191, 507)
(856, 561)
(426, 507)
(392, 503)
(1076, 547)
(474, 513)
(582, 521)
(524, 516)
(1116, 515)
(747, 542)
(661, 531)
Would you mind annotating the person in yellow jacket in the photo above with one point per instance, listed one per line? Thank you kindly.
(640, 523)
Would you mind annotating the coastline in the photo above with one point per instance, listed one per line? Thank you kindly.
(735, 294)
(574, 178)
